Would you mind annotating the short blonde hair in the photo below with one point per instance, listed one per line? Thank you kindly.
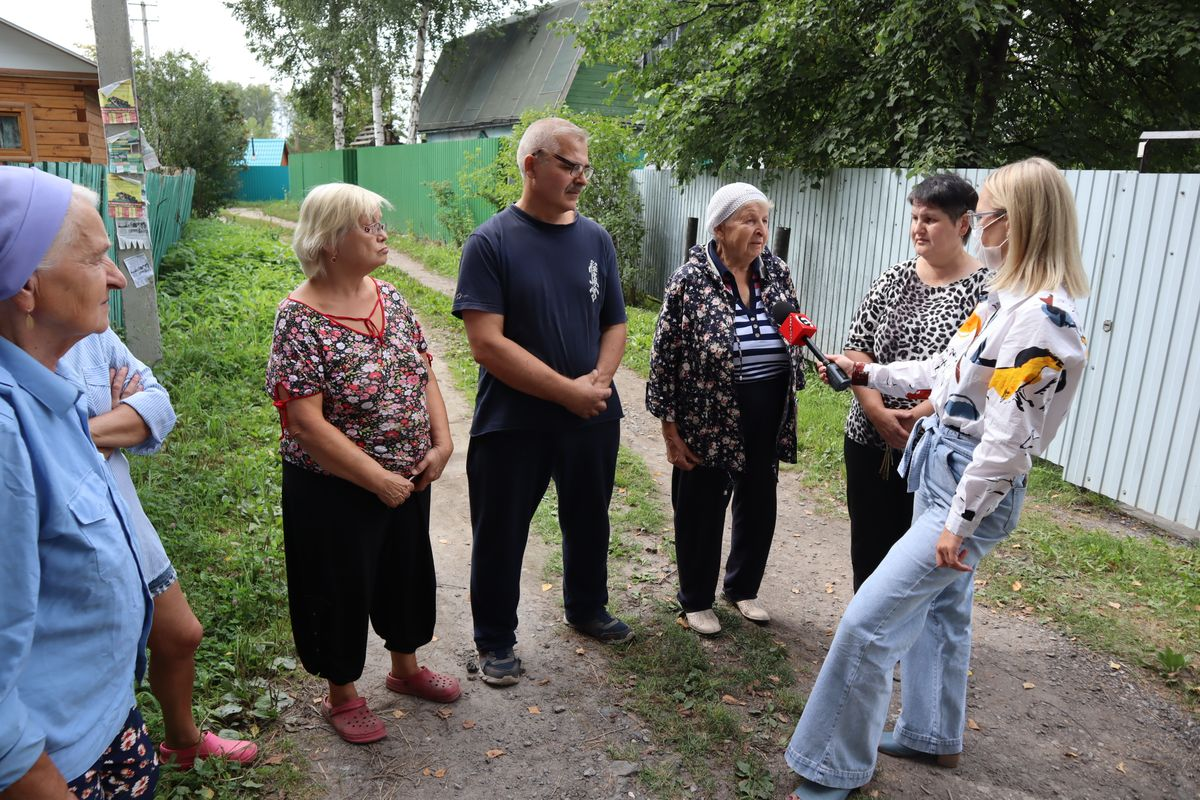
(1043, 233)
(544, 134)
(326, 215)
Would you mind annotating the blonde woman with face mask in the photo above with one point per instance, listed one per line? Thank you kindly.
(1000, 392)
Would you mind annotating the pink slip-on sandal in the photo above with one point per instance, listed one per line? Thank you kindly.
(210, 746)
(353, 721)
(428, 685)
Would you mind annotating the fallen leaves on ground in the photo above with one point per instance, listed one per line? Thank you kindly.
(496, 753)
(1121, 768)
(1016, 587)
(275, 759)
(534, 710)
(1114, 665)
(399, 713)
(434, 773)
(444, 712)
(468, 724)
(1113, 605)
(729, 699)
(973, 725)
(1029, 685)
(829, 588)
(547, 587)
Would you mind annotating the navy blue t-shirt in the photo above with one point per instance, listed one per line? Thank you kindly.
(557, 286)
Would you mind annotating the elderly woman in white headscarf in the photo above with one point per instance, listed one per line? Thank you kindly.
(723, 382)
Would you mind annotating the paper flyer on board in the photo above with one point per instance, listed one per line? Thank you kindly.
(140, 270)
(125, 197)
(117, 105)
(149, 157)
(133, 234)
(125, 152)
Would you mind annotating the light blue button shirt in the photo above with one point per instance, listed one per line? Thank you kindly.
(91, 358)
(74, 609)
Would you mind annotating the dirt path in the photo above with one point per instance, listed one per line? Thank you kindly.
(1084, 730)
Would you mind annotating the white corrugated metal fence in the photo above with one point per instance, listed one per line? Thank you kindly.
(1133, 433)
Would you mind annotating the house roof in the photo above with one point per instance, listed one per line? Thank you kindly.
(491, 76)
(265, 152)
(25, 51)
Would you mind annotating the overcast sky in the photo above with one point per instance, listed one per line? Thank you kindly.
(204, 28)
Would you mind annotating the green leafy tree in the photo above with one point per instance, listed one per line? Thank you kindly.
(838, 83)
(610, 198)
(193, 122)
(257, 104)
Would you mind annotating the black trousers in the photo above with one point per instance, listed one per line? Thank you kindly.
(508, 473)
(879, 504)
(351, 559)
(700, 496)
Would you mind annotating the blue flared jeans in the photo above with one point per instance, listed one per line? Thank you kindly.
(909, 611)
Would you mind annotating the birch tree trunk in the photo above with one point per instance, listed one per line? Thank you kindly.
(377, 113)
(339, 112)
(377, 94)
(418, 75)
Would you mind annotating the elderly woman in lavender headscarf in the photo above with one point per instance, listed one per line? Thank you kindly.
(74, 607)
(723, 382)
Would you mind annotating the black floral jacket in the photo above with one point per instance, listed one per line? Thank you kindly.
(691, 361)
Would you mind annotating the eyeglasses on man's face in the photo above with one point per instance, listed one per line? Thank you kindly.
(576, 169)
(375, 229)
(981, 219)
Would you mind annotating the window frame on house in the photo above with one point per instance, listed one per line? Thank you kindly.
(24, 115)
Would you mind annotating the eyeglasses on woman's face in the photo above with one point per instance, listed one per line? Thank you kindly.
(981, 219)
(575, 168)
(375, 229)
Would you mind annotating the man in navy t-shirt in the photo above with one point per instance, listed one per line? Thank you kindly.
(539, 293)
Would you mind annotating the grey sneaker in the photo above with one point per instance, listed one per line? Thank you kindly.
(500, 667)
(604, 628)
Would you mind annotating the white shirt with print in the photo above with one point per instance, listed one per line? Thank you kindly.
(1007, 379)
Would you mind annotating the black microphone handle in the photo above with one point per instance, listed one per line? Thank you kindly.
(833, 373)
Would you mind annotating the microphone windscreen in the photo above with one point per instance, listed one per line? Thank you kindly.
(780, 311)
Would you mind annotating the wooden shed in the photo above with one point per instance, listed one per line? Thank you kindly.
(49, 109)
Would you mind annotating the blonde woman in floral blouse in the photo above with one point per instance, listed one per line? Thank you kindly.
(724, 384)
(1000, 392)
(365, 432)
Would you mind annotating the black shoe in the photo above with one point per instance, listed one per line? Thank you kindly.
(604, 628)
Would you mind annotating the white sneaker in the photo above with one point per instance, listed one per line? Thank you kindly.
(751, 610)
(703, 622)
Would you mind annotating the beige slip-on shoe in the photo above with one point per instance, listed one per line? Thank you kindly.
(751, 610)
(703, 622)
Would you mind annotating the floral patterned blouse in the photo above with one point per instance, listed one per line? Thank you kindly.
(372, 386)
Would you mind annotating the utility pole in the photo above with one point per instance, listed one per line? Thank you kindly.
(146, 33)
(114, 61)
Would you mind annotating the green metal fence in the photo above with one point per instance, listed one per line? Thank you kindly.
(168, 203)
(263, 183)
(403, 174)
(306, 170)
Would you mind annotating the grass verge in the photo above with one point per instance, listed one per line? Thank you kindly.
(1136, 599)
(213, 493)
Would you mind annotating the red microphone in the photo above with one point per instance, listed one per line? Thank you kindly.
(797, 329)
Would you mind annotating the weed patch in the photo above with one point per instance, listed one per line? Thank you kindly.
(213, 493)
(1136, 599)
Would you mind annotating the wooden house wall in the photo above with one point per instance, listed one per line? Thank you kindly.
(65, 115)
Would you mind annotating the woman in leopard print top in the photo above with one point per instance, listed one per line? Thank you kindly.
(910, 312)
